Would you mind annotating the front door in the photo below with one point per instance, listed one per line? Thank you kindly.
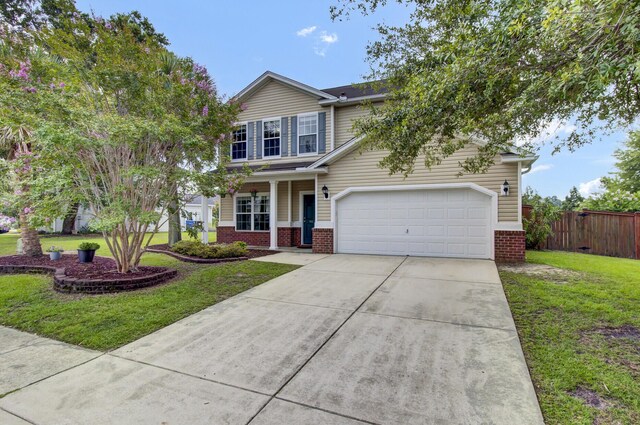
(308, 218)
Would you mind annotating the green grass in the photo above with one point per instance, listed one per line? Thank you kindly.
(8, 242)
(103, 322)
(557, 320)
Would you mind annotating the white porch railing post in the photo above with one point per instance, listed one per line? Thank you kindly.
(205, 219)
(273, 213)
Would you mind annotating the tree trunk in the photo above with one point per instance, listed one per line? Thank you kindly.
(30, 239)
(69, 221)
(175, 230)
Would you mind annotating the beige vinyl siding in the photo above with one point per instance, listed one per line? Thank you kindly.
(275, 99)
(344, 122)
(283, 201)
(362, 170)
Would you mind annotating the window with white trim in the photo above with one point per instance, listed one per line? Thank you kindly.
(239, 145)
(252, 214)
(308, 134)
(271, 138)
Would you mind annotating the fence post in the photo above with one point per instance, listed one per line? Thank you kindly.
(636, 220)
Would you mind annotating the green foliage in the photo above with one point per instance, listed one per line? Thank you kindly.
(55, 249)
(193, 230)
(628, 164)
(498, 71)
(88, 246)
(200, 250)
(613, 199)
(537, 225)
(573, 200)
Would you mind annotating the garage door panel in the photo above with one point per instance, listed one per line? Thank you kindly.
(454, 223)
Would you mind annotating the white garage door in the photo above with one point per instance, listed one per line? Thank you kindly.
(438, 223)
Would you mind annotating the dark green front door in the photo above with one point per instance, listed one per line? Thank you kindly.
(308, 218)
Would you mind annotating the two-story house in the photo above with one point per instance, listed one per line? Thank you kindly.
(315, 188)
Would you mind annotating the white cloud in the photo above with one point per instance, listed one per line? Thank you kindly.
(328, 38)
(548, 131)
(541, 167)
(590, 188)
(306, 31)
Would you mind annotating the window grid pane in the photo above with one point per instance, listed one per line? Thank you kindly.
(252, 214)
(308, 134)
(271, 136)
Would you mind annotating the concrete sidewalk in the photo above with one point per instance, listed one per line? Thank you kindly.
(345, 339)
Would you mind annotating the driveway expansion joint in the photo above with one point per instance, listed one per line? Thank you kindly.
(293, 375)
(17, 416)
(295, 303)
(325, 410)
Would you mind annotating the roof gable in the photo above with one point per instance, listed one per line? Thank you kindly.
(269, 76)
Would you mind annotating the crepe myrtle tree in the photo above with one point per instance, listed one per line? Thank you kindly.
(32, 86)
(498, 71)
(146, 123)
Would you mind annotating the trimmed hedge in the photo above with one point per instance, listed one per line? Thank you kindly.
(200, 250)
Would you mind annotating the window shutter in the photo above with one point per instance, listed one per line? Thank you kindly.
(294, 136)
(284, 136)
(250, 140)
(322, 132)
(258, 139)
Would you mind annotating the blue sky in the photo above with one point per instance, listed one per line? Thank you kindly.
(239, 40)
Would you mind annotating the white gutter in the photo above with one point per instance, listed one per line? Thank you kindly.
(352, 100)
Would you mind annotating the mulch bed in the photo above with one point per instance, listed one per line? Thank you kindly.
(100, 276)
(165, 249)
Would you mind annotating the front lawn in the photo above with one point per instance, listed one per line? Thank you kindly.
(578, 317)
(71, 242)
(104, 322)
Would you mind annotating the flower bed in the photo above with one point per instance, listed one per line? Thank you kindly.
(98, 277)
(251, 253)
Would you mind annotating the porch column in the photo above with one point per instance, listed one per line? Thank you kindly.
(273, 213)
(204, 205)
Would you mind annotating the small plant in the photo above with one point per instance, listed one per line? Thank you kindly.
(55, 253)
(55, 249)
(88, 246)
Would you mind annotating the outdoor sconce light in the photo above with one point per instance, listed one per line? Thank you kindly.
(325, 191)
(505, 188)
(254, 193)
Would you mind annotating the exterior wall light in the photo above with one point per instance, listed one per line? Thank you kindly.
(325, 191)
(505, 188)
(254, 193)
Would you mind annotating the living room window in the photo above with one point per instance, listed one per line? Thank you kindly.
(308, 134)
(239, 145)
(252, 214)
(271, 137)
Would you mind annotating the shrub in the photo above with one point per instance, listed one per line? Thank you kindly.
(88, 246)
(200, 250)
(538, 225)
(55, 249)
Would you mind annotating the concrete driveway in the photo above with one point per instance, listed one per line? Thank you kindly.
(345, 339)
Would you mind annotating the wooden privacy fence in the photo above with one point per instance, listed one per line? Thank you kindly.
(595, 232)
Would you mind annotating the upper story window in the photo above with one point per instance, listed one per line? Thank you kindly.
(239, 145)
(271, 137)
(308, 134)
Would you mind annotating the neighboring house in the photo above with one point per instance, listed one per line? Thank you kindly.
(192, 206)
(316, 189)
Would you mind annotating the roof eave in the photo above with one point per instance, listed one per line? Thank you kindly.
(258, 82)
(352, 100)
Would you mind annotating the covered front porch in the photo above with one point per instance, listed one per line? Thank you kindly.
(274, 212)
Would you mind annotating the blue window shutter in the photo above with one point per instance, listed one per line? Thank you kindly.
(284, 139)
(322, 132)
(294, 136)
(258, 139)
(250, 140)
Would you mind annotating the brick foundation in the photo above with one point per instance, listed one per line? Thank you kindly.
(322, 241)
(229, 234)
(509, 246)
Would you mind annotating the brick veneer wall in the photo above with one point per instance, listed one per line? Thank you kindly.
(288, 236)
(322, 241)
(229, 234)
(509, 246)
